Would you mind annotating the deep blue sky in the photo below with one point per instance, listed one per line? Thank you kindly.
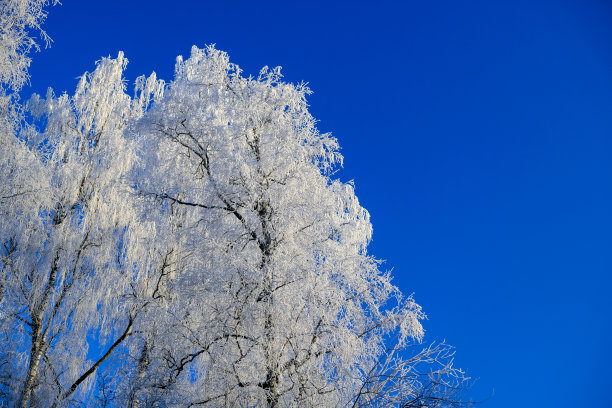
(479, 136)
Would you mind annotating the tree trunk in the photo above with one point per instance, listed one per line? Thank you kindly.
(36, 352)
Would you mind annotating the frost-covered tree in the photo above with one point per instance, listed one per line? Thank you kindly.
(19, 21)
(64, 230)
(273, 298)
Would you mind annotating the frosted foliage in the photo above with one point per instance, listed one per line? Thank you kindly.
(187, 245)
(276, 300)
(20, 20)
(64, 227)
(20, 23)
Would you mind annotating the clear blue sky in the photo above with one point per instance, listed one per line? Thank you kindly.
(479, 136)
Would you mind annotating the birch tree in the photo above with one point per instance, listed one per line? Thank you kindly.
(64, 239)
(277, 301)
